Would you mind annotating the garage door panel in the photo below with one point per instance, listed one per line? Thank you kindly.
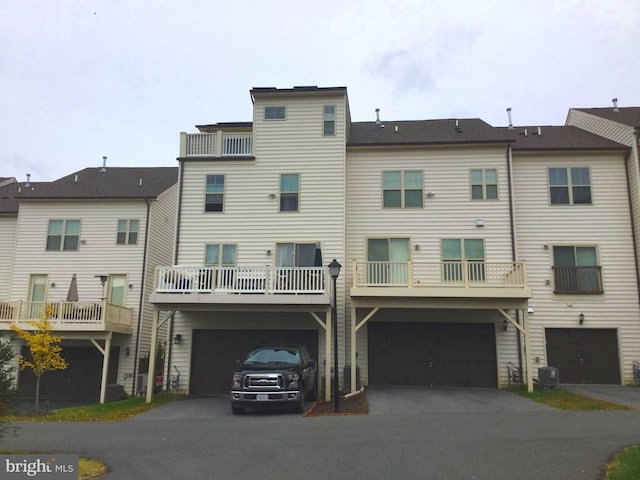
(584, 355)
(215, 353)
(432, 354)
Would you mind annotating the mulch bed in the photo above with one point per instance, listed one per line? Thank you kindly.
(355, 405)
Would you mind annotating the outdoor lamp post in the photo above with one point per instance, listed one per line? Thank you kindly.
(334, 270)
(103, 280)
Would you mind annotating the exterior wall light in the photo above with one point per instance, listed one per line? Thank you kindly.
(581, 318)
(505, 324)
(177, 339)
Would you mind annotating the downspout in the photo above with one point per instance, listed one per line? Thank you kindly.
(631, 213)
(175, 262)
(142, 290)
(514, 251)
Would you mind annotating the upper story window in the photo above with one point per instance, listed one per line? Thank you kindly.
(221, 254)
(127, 232)
(63, 235)
(484, 184)
(570, 186)
(576, 269)
(329, 119)
(214, 196)
(454, 251)
(289, 192)
(274, 113)
(402, 189)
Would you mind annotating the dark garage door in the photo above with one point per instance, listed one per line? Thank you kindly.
(586, 355)
(79, 381)
(214, 354)
(432, 354)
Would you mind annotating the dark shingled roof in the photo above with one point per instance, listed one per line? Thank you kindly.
(115, 183)
(425, 132)
(626, 115)
(10, 195)
(558, 138)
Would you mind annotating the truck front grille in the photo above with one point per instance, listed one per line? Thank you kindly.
(266, 381)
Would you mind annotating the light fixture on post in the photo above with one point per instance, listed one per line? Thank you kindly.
(505, 324)
(581, 318)
(334, 270)
(103, 280)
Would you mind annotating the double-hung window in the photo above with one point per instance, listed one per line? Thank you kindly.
(63, 235)
(569, 186)
(214, 194)
(274, 113)
(402, 189)
(458, 251)
(127, 232)
(576, 269)
(289, 192)
(484, 184)
(329, 120)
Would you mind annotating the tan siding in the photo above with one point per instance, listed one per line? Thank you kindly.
(605, 224)
(8, 227)
(450, 214)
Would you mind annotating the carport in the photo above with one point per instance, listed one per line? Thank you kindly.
(512, 304)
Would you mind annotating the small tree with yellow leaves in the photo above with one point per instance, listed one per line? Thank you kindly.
(44, 349)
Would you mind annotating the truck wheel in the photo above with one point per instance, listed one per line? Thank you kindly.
(300, 404)
(236, 410)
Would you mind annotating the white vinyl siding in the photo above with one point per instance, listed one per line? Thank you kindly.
(447, 214)
(605, 225)
(8, 227)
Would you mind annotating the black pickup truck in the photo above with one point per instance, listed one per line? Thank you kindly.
(275, 375)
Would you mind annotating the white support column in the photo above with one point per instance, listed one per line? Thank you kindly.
(151, 380)
(527, 349)
(105, 367)
(354, 350)
(327, 359)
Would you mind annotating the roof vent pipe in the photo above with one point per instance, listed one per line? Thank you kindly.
(28, 180)
(539, 130)
(615, 104)
(75, 179)
(140, 184)
(377, 116)
(104, 165)
(509, 115)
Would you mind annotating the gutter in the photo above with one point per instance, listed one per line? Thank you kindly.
(514, 250)
(175, 262)
(631, 214)
(141, 304)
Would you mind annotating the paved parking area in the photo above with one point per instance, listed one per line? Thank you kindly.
(622, 395)
(406, 400)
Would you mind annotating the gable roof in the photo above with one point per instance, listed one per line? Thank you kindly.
(10, 196)
(626, 115)
(114, 183)
(558, 138)
(425, 132)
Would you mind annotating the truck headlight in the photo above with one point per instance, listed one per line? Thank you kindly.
(292, 380)
(237, 380)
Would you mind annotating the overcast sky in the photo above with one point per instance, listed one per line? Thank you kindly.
(85, 78)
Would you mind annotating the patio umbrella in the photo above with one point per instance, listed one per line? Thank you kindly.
(72, 295)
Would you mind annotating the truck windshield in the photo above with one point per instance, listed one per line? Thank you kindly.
(273, 355)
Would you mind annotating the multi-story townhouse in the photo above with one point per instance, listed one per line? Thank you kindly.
(88, 245)
(262, 208)
(573, 229)
(460, 265)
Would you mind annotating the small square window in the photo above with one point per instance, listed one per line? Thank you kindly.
(274, 113)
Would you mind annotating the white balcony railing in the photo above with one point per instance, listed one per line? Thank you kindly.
(221, 144)
(440, 274)
(241, 279)
(68, 315)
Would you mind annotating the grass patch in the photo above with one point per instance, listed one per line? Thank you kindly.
(564, 400)
(625, 465)
(101, 412)
(89, 469)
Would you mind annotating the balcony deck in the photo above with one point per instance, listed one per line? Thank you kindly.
(450, 279)
(240, 286)
(220, 144)
(69, 316)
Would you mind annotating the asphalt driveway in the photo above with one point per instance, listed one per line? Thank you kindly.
(622, 395)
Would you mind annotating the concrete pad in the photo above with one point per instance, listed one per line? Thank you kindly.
(622, 395)
(412, 400)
